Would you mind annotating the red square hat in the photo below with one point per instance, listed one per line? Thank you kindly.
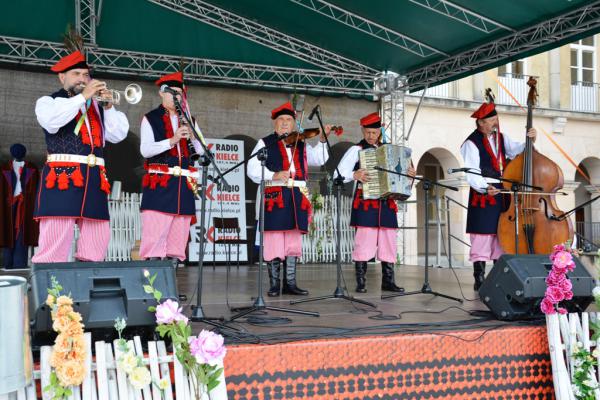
(69, 62)
(172, 80)
(284, 109)
(486, 110)
(372, 120)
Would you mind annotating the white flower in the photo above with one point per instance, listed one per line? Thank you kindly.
(146, 273)
(589, 383)
(577, 362)
(576, 391)
(128, 362)
(140, 377)
(596, 352)
(163, 384)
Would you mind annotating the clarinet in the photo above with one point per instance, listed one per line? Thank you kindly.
(194, 156)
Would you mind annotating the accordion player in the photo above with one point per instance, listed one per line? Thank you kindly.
(375, 216)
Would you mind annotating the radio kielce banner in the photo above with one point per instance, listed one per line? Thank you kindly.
(222, 204)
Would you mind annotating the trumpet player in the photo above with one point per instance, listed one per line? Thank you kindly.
(168, 203)
(74, 187)
(375, 221)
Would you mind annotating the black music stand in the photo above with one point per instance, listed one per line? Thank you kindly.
(340, 291)
(259, 304)
(426, 288)
(206, 159)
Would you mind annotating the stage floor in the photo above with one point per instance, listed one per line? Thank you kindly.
(338, 317)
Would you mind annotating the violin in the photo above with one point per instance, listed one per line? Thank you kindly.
(309, 133)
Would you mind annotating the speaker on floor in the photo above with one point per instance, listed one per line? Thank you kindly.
(515, 286)
(101, 292)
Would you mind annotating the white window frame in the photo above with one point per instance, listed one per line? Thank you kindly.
(580, 48)
(509, 66)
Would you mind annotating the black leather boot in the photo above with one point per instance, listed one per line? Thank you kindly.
(273, 267)
(478, 274)
(387, 278)
(289, 281)
(361, 276)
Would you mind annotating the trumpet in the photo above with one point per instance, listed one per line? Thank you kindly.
(132, 94)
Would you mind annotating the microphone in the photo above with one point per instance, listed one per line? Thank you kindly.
(454, 170)
(313, 112)
(167, 89)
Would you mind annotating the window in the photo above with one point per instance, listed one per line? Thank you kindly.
(513, 68)
(583, 61)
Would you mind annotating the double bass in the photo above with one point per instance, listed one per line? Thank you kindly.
(538, 229)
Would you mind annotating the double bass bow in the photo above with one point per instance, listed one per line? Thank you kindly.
(536, 231)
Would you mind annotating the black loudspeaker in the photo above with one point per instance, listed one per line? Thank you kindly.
(101, 292)
(516, 286)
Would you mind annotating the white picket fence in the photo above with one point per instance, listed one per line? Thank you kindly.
(564, 332)
(320, 245)
(105, 380)
(317, 247)
(125, 226)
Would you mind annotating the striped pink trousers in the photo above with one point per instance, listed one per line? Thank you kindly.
(56, 238)
(164, 235)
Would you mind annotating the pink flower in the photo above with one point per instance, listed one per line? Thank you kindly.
(208, 347)
(565, 285)
(562, 260)
(558, 247)
(568, 295)
(554, 294)
(168, 312)
(562, 310)
(547, 307)
(555, 278)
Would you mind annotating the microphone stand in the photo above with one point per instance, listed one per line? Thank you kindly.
(516, 187)
(426, 288)
(259, 303)
(339, 291)
(566, 214)
(206, 159)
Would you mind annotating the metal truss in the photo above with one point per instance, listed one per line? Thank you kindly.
(85, 20)
(369, 27)
(462, 15)
(392, 117)
(584, 19)
(149, 65)
(271, 38)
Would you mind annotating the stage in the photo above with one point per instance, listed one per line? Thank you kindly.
(410, 347)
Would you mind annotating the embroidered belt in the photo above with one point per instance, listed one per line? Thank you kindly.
(91, 159)
(290, 183)
(175, 171)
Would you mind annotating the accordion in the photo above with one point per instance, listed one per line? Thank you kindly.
(383, 184)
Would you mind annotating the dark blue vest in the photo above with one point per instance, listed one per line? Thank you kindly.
(285, 208)
(484, 211)
(380, 213)
(175, 197)
(88, 201)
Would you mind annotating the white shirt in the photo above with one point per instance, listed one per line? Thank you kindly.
(53, 114)
(470, 154)
(316, 155)
(347, 163)
(17, 165)
(149, 147)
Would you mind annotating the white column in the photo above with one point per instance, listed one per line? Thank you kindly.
(555, 78)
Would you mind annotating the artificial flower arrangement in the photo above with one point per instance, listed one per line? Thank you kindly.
(199, 355)
(560, 288)
(132, 364)
(69, 350)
